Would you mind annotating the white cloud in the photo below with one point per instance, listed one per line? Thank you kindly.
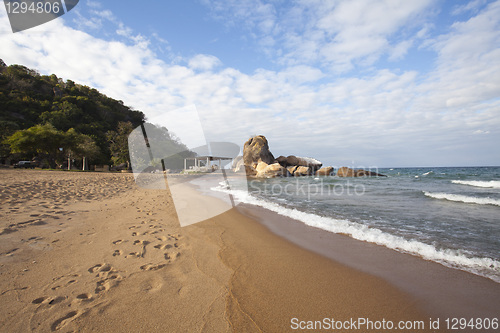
(470, 6)
(204, 62)
(336, 35)
(400, 50)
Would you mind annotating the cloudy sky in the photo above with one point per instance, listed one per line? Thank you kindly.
(350, 82)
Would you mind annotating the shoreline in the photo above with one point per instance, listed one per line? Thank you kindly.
(274, 281)
(444, 291)
(93, 252)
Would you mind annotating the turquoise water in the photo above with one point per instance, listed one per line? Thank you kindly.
(447, 215)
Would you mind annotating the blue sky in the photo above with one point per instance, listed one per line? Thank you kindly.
(349, 82)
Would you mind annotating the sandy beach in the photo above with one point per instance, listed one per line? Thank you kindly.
(92, 252)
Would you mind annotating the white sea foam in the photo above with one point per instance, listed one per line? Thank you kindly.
(477, 183)
(310, 160)
(452, 258)
(463, 198)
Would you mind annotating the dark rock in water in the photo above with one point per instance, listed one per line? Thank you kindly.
(256, 150)
(325, 171)
(260, 162)
(348, 172)
(299, 161)
(292, 160)
(282, 161)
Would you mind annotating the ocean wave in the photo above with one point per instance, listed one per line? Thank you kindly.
(463, 198)
(486, 267)
(477, 183)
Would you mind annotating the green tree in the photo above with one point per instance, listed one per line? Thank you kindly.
(7, 128)
(28, 98)
(118, 143)
(42, 140)
(46, 142)
(82, 146)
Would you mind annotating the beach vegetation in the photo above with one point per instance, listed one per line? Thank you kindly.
(52, 145)
(118, 143)
(61, 112)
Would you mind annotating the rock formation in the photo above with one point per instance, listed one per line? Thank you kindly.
(258, 161)
(297, 170)
(299, 161)
(256, 150)
(325, 171)
(265, 170)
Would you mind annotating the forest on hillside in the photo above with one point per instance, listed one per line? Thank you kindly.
(46, 119)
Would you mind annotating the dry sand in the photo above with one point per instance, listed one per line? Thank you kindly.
(91, 252)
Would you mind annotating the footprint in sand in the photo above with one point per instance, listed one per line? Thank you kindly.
(100, 268)
(39, 300)
(10, 252)
(163, 246)
(167, 243)
(107, 276)
(108, 283)
(119, 241)
(152, 267)
(63, 321)
(176, 237)
(141, 242)
(134, 254)
(49, 301)
(172, 255)
(84, 297)
(117, 253)
(64, 281)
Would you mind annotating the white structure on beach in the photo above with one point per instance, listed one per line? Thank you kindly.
(204, 163)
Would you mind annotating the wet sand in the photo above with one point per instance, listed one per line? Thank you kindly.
(92, 252)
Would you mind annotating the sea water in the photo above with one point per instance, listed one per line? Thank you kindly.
(446, 215)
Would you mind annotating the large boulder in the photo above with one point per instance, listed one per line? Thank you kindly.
(301, 171)
(261, 166)
(325, 171)
(270, 171)
(256, 150)
(299, 161)
(348, 172)
(282, 161)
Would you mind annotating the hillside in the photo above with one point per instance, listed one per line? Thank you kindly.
(28, 99)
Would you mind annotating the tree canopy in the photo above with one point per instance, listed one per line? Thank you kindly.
(45, 141)
(47, 118)
(32, 101)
